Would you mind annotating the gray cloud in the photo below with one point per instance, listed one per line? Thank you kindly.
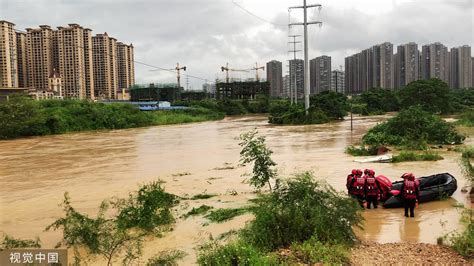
(205, 34)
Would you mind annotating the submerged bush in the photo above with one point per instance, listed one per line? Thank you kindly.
(146, 209)
(166, 258)
(413, 128)
(222, 215)
(286, 114)
(300, 209)
(361, 151)
(10, 242)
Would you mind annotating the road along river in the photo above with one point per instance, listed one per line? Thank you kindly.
(35, 173)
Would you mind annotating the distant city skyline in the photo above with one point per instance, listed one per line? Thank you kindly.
(205, 34)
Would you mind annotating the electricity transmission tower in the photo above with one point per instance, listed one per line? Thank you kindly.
(293, 87)
(305, 24)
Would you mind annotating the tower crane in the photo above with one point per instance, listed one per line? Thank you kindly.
(257, 68)
(227, 69)
(178, 76)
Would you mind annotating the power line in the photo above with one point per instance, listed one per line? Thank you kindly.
(255, 15)
(115, 57)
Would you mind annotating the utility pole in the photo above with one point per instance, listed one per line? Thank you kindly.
(178, 76)
(306, 61)
(294, 88)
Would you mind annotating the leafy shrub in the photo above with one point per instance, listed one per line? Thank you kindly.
(361, 151)
(10, 242)
(236, 253)
(166, 258)
(146, 209)
(413, 128)
(410, 156)
(300, 209)
(222, 215)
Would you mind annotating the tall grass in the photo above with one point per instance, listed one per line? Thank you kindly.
(410, 156)
(361, 151)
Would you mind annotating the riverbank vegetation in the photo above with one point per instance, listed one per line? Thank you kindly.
(22, 117)
(361, 150)
(295, 218)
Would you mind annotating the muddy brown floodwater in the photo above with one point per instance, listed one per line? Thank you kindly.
(35, 173)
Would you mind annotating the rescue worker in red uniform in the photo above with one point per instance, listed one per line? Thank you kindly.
(357, 187)
(372, 189)
(410, 193)
(351, 181)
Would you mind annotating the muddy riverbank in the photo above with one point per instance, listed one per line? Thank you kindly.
(35, 173)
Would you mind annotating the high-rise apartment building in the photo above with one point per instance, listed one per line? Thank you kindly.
(8, 55)
(286, 86)
(407, 64)
(22, 59)
(125, 65)
(275, 78)
(39, 45)
(88, 63)
(460, 75)
(320, 74)
(297, 77)
(69, 59)
(386, 65)
(370, 68)
(104, 66)
(338, 81)
(435, 62)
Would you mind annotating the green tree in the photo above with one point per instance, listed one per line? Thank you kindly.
(432, 95)
(334, 104)
(379, 100)
(254, 150)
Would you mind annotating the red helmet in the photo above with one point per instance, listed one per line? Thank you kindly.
(354, 171)
(408, 176)
(371, 172)
(366, 171)
(359, 172)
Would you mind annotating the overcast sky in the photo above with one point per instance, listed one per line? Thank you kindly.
(205, 34)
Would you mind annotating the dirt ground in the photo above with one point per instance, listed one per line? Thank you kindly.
(371, 253)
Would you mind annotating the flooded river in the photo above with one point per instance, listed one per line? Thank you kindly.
(35, 173)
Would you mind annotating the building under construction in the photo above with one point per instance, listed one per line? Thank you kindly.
(155, 92)
(242, 89)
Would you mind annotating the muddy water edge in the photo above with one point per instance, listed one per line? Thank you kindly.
(35, 173)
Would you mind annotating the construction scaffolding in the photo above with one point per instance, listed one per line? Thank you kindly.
(242, 90)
